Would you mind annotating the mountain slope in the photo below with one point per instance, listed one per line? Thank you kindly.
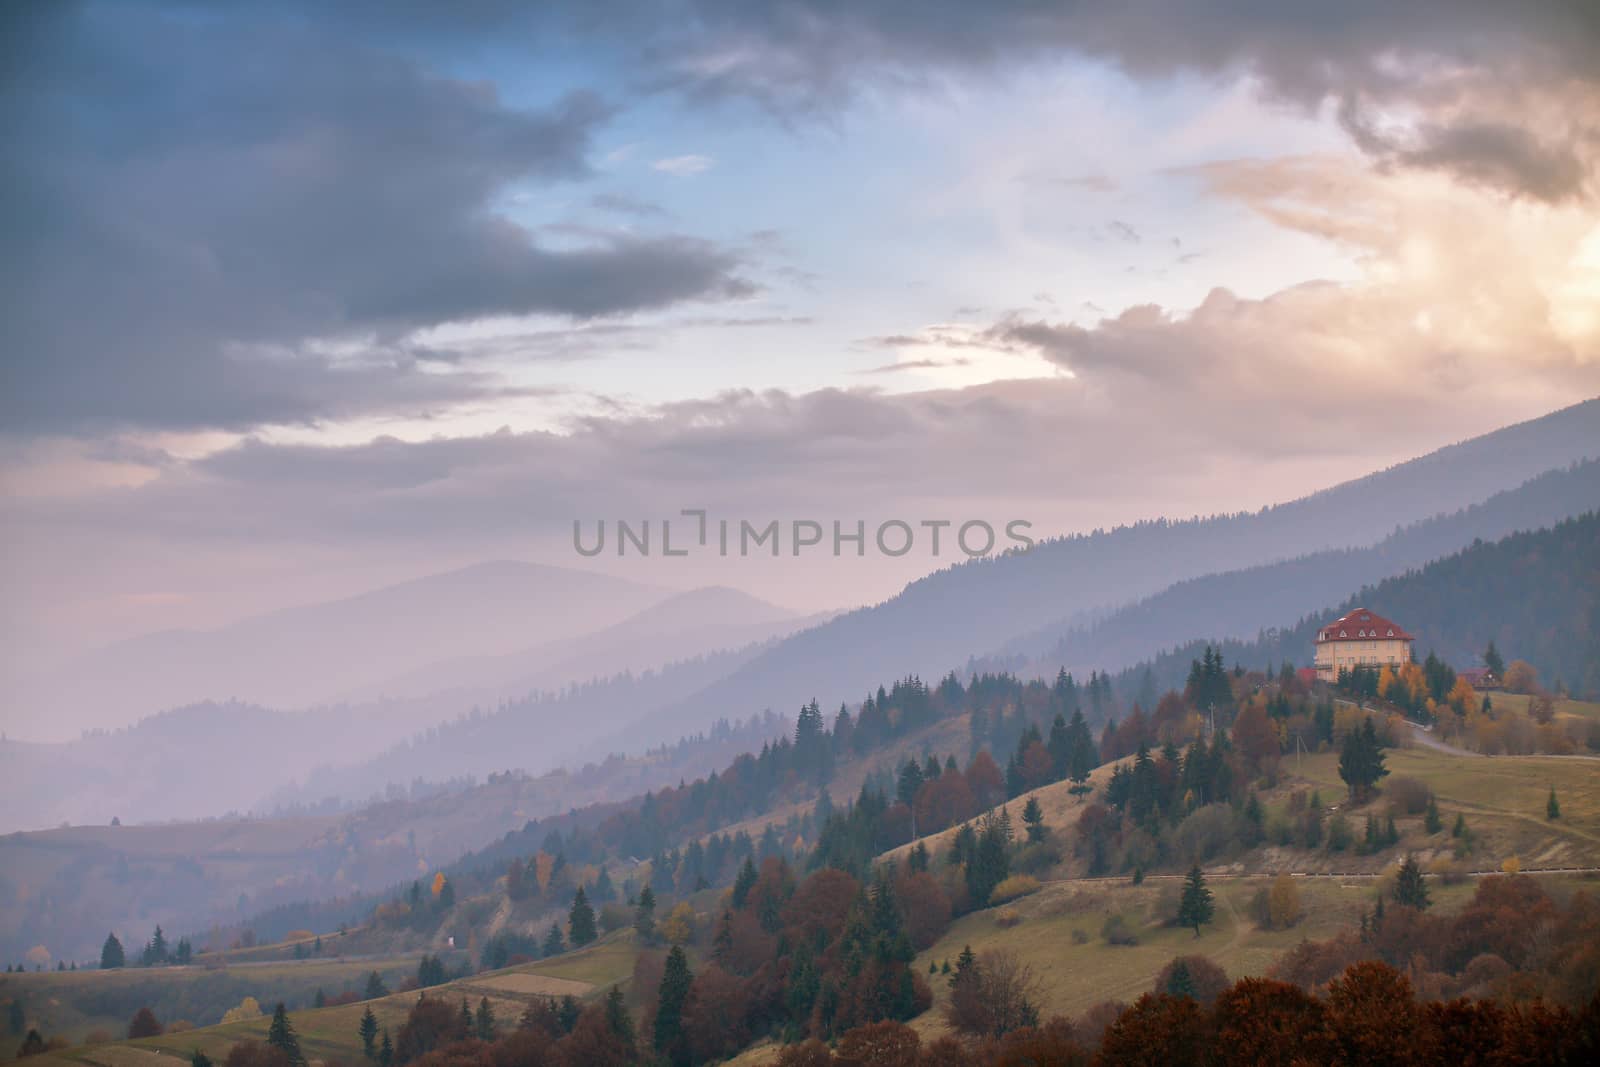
(1237, 604)
(1535, 594)
(937, 622)
(682, 626)
(309, 654)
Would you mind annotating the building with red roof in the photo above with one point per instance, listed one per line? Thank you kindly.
(1360, 638)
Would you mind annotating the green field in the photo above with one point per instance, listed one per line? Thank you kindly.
(1075, 976)
(76, 1004)
(331, 1033)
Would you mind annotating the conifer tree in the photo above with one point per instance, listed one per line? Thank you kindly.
(375, 987)
(675, 982)
(966, 966)
(1180, 983)
(386, 1051)
(580, 920)
(722, 943)
(199, 1059)
(483, 1023)
(1196, 906)
(156, 951)
(618, 1020)
(1409, 887)
(1552, 807)
(745, 882)
(1430, 818)
(644, 920)
(111, 954)
(281, 1036)
(369, 1033)
(1033, 819)
(553, 944)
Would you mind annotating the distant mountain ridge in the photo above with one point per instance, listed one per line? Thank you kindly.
(1238, 604)
(1534, 593)
(308, 655)
(936, 623)
(681, 626)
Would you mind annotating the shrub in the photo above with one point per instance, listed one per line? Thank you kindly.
(1116, 931)
(1018, 885)
(1007, 918)
(1037, 858)
(1191, 976)
(1408, 796)
(1204, 833)
(1080, 937)
(144, 1024)
(1338, 832)
(614, 916)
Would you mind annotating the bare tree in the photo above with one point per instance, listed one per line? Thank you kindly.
(998, 994)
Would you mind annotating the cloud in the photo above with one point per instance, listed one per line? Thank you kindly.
(1123, 231)
(683, 166)
(1458, 78)
(915, 364)
(621, 204)
(261, 258)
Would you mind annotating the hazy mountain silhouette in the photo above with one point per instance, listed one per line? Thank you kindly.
(937, 622)
(1240, 604)
(311, 654)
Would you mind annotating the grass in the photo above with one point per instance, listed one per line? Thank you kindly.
(331, 1033)
(1503, 799)
(74, 1004)
(1075, 976)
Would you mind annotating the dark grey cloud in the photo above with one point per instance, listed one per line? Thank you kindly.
(1499, 155)
(1452, 60)
(196, 204)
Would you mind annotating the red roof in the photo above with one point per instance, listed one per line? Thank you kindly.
(1362, 625)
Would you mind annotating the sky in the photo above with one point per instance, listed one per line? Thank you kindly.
(302, 299)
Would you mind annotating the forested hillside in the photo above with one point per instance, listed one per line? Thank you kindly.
(1536, 595)
(938, 622)
(1237, 604)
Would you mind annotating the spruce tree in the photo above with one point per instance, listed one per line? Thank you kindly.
(580, 920)
(375, 987)
(966, 966)
(464, 1021)
(1409, 887)
(745, 882)
(1430, 818)
(281, 1036)
(1033, 819)
(1180, 983)
(618, 1021)
(386, 1051)
(483, 1024)
(569, 1012)
(675, 983)
(644, 920)
(1196, 906)
(553, 944)
(369, 1033)
(1552, 807)
(199, 1059)
(111, 954)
